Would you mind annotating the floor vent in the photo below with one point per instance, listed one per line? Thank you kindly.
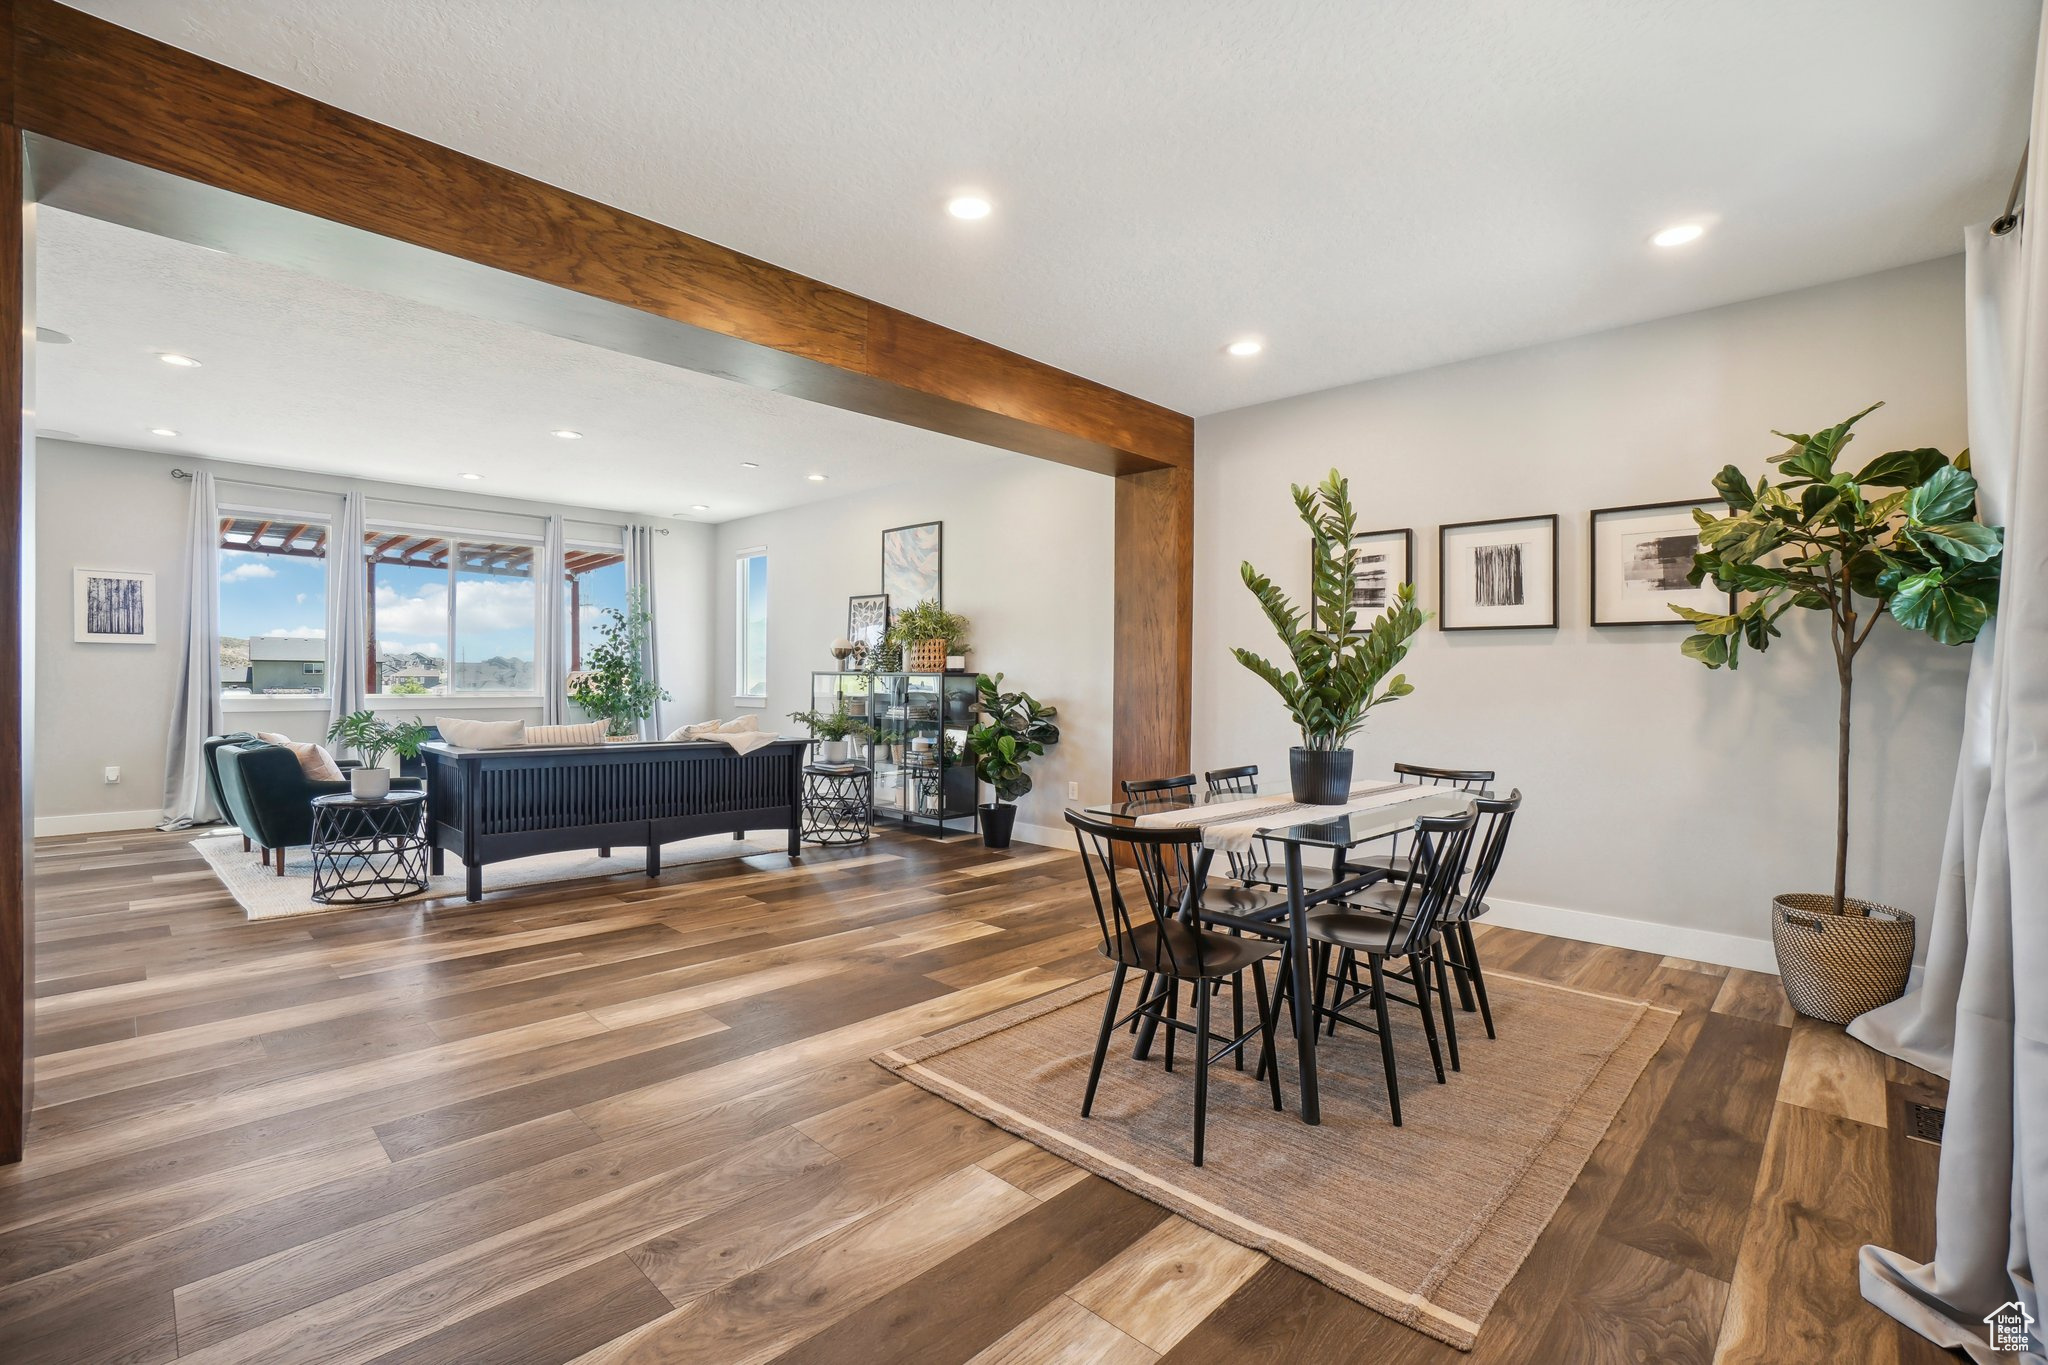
(1924, 1121)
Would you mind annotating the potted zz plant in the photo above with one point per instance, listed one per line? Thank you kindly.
(1013, 730)
(613, 686)
(1898, 537)
(1340, 671)
(835, 731)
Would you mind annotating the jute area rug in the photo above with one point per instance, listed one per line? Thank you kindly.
(1425, 1223)
(263, 894)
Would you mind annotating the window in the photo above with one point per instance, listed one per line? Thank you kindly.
(449, 616)
(273, 606)
(596, 579)
(751, 673)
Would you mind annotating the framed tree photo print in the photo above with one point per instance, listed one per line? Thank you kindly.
(113, 607)
(913, 565)
(1497, 575)
(1639, 557)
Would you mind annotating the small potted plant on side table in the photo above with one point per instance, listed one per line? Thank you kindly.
(1012, 731)
(835, 731)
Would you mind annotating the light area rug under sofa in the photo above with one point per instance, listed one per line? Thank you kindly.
(1426, 1223)
(263, 894)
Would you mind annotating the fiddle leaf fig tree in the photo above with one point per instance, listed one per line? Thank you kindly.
(1338, 668)
(1014, 729)
(1897, 537)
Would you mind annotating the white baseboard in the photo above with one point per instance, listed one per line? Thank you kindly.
(1043, 834)
(97, 822)
(1701, 945)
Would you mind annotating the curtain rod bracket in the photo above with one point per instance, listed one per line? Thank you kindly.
(180, 474)
(2010, 219)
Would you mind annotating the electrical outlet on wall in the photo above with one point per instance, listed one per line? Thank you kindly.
(1073, 791)
(112, 775)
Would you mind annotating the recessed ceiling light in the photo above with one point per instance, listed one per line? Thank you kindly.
(162, 431)
(183, 362)
(472, 476)
(969, 206)
(50, 336)
(1247, 346)
(567, 435)
(1679, 234)
(817, 478)
(700, 507)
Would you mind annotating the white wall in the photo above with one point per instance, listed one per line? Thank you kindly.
(1656, 791)
(1028, 561)
(109, 705)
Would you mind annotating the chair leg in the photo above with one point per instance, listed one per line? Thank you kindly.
(1418, 967)
(1144, 993)
(1201, 1070)
(245, 843)
(1172, 1013)
(1237, 1016)
(1345, 967)
(1379, 1009)
(1478, 976)
(1443, 995)
(280, 862)
(1268, 1058)
(266, 856)
(1116, 995)
(1460, 964)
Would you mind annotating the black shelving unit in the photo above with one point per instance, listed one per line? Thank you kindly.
(923, 779)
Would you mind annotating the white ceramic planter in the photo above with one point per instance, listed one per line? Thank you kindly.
(831, 751)
(369, 784)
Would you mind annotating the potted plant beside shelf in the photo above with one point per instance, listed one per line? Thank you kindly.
(1340, 672)
(1899, 537)
(835, 730)
(924, 635)
(613, 685)
(1013, 729)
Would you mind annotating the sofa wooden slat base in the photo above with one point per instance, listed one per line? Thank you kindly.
(492, 805)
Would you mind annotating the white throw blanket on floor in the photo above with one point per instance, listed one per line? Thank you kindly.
(1375, 808)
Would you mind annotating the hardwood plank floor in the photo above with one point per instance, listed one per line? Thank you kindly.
(631, 1120)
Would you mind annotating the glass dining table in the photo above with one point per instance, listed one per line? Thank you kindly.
(1295, 831)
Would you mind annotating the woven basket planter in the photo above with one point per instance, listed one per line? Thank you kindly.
(1836, 967)
(925, 656)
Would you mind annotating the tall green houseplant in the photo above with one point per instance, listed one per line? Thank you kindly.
(613, 685)
(1898, 537)
(1339, 671)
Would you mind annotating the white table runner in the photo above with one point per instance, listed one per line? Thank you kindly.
(1233, 826)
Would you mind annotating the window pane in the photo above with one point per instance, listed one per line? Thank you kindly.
(753, 626)
(273, 607)
(408, 612)
(494, 608)
(596, 580)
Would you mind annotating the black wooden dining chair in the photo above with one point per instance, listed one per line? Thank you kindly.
(1461, 948)
(1394, 859)
(1136, 788)
(1154, 939)
(1410, 935)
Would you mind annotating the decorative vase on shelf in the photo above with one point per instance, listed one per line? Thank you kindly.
(369, 784)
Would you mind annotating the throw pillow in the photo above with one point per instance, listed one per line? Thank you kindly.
(315, 762)
(481, 734)
(592, 733)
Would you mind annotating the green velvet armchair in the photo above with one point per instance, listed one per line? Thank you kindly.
(269, 797)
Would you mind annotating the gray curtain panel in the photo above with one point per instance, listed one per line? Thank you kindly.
(551, 645)
(348, 668)
(1981, 1015)
(195, 706)
(640, 580)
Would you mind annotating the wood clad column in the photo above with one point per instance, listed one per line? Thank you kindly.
(1155, 622)
(17, 657)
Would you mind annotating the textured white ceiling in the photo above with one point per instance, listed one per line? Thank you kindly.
(301, 373)
(1372, 187)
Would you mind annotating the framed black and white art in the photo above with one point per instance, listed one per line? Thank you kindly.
(113, 607)
(867, 617)
(1381, 562)
(1497, 575)
(1639, 558)
(913, 565)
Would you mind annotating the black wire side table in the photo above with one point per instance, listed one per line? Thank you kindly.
(369, 850)
(839, 803)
